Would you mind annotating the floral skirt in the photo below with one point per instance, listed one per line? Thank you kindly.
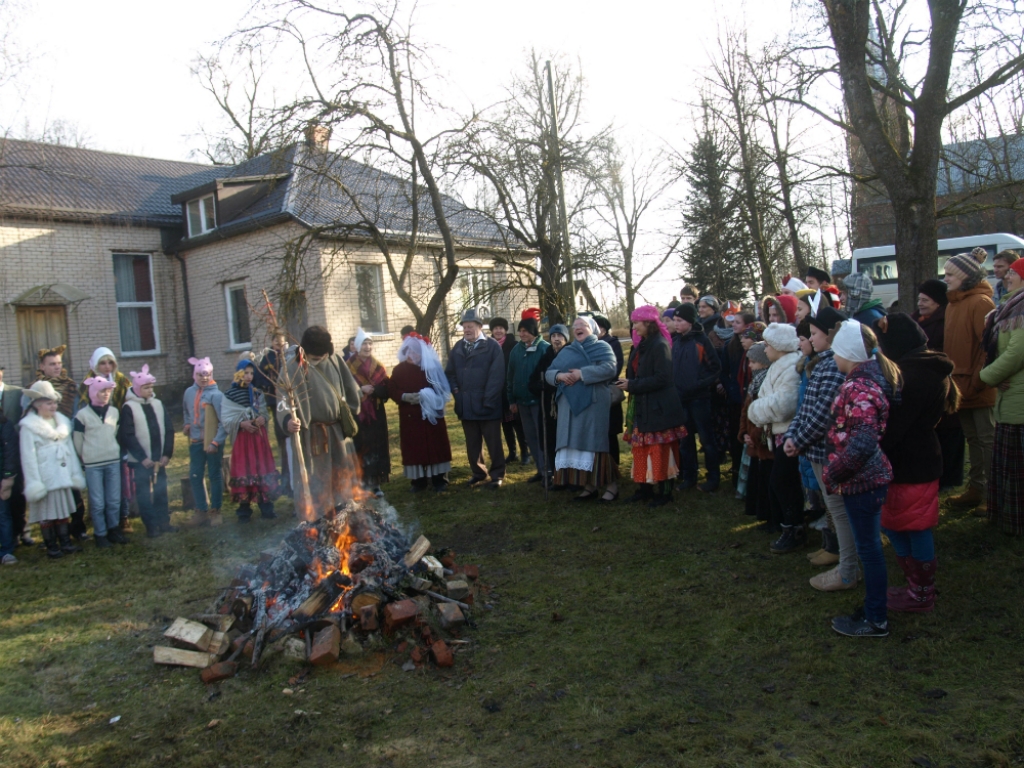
(254, 476)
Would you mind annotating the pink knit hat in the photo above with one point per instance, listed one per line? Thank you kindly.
(96, 385)
(651, 315)
(200, 366)
(141, 379)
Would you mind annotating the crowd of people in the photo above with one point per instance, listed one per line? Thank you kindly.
(825, 411)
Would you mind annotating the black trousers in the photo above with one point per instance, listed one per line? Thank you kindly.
(480, 432)
(787, 492)
(757, 502)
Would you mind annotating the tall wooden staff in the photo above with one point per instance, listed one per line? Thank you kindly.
(305, 505)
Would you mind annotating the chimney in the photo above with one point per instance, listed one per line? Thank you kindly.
(317, 136)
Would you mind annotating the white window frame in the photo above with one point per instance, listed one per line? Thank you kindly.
(479, 302)
(204, 224)
(378, 272)
(232, 330)
(138, 305)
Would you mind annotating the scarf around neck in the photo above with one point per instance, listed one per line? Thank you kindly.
(591, 351)
(368, 371)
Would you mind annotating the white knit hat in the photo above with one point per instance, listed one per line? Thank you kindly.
(849, 343)
(781, 336)
(793, 284)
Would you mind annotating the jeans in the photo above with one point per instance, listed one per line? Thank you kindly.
(6, 529)
(919, 545)
(151, 493)
(104, 483)
(530, 415)
(841, 525)
(212, 463)
(865, 513)
(699, 420)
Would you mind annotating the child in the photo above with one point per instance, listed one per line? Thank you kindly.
(758, 452)
(147, 436)
(856, 466)
(204, 459)
(50, 467)
(775, 407)
(10, 466)
(828, 554)
(253, 474)
(95, 437)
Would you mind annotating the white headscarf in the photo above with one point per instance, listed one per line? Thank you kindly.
(849, 343)
(98, 355)
(361, 336)
(434, 397)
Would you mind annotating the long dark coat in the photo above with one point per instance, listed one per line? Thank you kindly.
(422, 443)
(657, 402)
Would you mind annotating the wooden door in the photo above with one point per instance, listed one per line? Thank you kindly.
(40, 328)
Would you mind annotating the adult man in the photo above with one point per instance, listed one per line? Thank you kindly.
(325, 397)
(857, 301)
(511, 424)
(1001, 265)
(521, 365)
(817, 279)
(696, 369)
(476, 373)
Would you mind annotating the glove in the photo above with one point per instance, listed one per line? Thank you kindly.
(411, 397)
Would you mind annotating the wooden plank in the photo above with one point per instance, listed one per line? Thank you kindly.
(177, 657)
(190, 634)
(219, 644)
(416, 552)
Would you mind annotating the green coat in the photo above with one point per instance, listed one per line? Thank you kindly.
(521, 363)
(1008, 367)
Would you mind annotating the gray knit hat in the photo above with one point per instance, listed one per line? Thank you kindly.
(756, 354)
(859, 288)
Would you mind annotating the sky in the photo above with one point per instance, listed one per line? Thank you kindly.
(119, 70)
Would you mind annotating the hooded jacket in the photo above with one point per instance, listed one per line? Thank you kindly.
(696, 366)
(776, 402)
(965, 327)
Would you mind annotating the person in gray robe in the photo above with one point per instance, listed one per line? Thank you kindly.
(326, 398)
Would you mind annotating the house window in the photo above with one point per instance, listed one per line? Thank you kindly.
(476, 289)
(202, 216)
(370, 289)
(239, 333)
(136, 309)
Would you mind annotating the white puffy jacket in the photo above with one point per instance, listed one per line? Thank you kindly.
(776, 402)
(48, 459)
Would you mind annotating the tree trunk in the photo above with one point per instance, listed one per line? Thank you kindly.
(916, 252)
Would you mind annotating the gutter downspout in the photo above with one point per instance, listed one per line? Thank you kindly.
(188, 305)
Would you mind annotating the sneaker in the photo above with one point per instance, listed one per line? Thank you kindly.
(858, 626)
(831, 581)
(27, 540)
(8, 560)
(790, 541)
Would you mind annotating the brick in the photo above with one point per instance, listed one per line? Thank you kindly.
(451, 615)
(448, 561)
(458, 589)
(222, 670)
(326, 646)
(399, 614)
(469, 571)
(416, 655)
(442, 654)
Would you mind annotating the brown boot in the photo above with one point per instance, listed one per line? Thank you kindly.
(200, 519)
(216, 518)
(972, 497)
(981, 510)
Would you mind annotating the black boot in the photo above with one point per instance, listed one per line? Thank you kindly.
(643, 492)
(244, 512)
(792, 539)
(664, 495)
(64, 534)
(267, 510)
(50, 541)
(116, 536)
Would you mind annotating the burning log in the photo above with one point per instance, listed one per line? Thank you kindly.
(323, 596)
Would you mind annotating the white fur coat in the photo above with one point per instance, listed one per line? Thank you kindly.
(48, 459)
(776, 402)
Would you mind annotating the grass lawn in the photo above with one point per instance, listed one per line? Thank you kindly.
(678, 640)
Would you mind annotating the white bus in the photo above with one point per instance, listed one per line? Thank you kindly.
(880, 262)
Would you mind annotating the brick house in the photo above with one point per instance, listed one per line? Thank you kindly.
(160, 259)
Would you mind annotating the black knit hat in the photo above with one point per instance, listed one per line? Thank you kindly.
(935, 290)
(316, 341)
(530, 325)
(898, 335)
(687, 312)
(826, 319)
(818, 274)
(603, 322)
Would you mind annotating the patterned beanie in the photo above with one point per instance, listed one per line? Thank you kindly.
(967, 268)
(859, 288)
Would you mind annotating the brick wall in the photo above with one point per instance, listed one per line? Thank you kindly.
(36, 253)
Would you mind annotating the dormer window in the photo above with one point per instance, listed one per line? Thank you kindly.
(202, 216)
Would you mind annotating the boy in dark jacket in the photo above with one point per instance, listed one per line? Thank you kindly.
(696, 369)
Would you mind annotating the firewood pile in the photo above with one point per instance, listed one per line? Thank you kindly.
(332, 586)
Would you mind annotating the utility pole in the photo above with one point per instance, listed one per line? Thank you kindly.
(563, 216)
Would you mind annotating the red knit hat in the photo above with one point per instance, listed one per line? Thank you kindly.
(789, 304)
(1018, 267)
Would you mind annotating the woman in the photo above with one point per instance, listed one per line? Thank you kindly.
(582, 372)
(253, 474)
(372, 438)
(654, 403)
(911, 509)
(559, 337)
(421, 389)
(1005, 333)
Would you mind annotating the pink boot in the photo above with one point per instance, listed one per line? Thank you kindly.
(919, 594)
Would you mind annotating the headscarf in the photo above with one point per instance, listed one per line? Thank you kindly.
(434, 397)
(361, 336)
(849, 343)
(580, 354)
(590, 321)
(98, 355)
(755, 331)
(648, 314)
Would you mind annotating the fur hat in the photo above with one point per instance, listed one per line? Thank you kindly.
(819, 274)
(60, 350)
(899, 334)
(530, 325)
(756, 354)
(782, 336)
(316, 341)
(496, 322)
(141, 379)
(200, 366)
(935, 290)
(966, 267)
(826, 319)
(602, 322)
(97, 384)
(687, 312)
(42, 390)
